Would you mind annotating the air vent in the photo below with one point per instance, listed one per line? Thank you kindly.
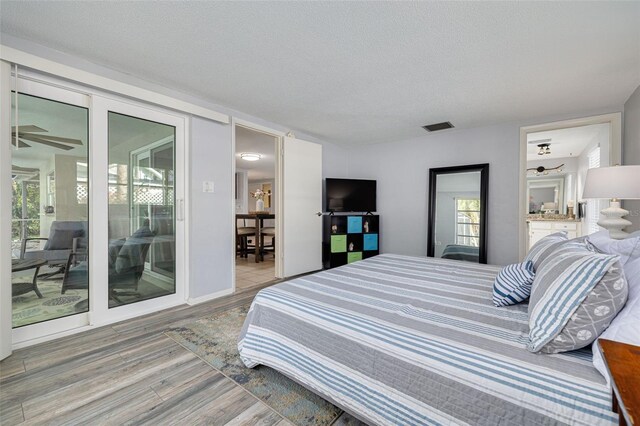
(438, 126)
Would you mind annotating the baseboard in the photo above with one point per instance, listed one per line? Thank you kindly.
(197, 300)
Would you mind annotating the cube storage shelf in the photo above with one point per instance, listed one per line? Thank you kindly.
(349, 238)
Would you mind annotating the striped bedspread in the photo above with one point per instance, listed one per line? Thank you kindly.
(398, 340)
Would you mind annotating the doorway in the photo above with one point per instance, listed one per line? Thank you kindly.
(256, 199)
(555, 158)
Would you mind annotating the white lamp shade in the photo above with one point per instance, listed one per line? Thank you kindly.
(622, 182)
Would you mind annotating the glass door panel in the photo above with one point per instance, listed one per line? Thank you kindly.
(142, 245)
(50, 223)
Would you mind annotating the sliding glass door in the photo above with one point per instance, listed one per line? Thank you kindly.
(141, 209)
(97, 208)
(50, 210)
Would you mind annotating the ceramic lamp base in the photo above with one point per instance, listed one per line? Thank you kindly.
(613, 220)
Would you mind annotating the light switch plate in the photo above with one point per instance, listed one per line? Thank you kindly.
(207, 186)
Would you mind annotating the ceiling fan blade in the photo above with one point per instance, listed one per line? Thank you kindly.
(56, 139)
(21, 143)
(51, 144)
(27, 128)
(19, 169)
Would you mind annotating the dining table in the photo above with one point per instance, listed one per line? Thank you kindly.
(259, 218)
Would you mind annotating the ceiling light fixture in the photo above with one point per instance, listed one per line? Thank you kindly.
(250, 156)
(541, 170)
(544, 149)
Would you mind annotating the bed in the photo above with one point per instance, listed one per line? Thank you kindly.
(398, 340)
(460, 252)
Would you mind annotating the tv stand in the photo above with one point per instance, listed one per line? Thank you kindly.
(349, 238)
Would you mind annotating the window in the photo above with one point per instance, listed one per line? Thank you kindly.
(593, 206)
(468, 221)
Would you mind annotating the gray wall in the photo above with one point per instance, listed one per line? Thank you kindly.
(402, 170)
(211, 240)
(631, 150)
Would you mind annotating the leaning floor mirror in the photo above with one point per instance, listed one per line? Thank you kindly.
(457, 225)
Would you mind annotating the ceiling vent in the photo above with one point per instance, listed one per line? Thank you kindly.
(438, 126)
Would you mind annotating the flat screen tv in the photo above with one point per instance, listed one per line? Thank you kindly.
(350, 195)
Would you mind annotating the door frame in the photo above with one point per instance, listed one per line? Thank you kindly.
(279, 175)
(615, 157)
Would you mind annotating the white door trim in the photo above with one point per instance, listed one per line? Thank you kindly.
(615, 157)
(114, 86)
(278, 183)
(5, 210)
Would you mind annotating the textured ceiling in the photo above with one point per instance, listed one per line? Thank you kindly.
(357, 72)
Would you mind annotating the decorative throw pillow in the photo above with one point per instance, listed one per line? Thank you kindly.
(114, 249)
(62, 239)
(129, 257)
(564, 282)
(544, 248)
(594, 314)
(513, 284)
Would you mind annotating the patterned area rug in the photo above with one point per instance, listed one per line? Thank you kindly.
(214, 339)
(29, 309)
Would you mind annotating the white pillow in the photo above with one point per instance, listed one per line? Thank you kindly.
(625, 327)
(629, 252)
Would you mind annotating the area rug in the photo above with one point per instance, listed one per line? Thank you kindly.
(214, 339)
(29, 309)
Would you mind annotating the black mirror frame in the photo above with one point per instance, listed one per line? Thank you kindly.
(484, 196)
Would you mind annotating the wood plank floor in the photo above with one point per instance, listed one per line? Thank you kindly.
(128, 373)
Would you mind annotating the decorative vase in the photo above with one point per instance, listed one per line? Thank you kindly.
(259, 205)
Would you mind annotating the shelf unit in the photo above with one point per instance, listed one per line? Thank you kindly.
(349, 238)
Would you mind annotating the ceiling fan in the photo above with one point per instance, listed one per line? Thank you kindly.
(34, 134)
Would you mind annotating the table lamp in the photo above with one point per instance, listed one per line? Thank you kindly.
(616, 183)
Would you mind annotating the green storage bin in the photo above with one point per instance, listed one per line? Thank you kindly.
(338, 243)
(354, 256)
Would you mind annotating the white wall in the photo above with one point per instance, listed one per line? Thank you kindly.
(631, 150)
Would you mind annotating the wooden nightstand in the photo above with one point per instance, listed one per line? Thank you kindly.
(623, 364)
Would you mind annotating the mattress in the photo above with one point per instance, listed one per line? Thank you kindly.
(398, 340)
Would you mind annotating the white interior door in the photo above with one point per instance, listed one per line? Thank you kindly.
(301, 203)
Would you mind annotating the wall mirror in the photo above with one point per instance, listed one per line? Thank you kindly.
(457, 224)
(550, 193)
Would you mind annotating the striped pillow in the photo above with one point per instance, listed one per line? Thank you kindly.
(513, 284)
(561, 285)
(544, 248)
